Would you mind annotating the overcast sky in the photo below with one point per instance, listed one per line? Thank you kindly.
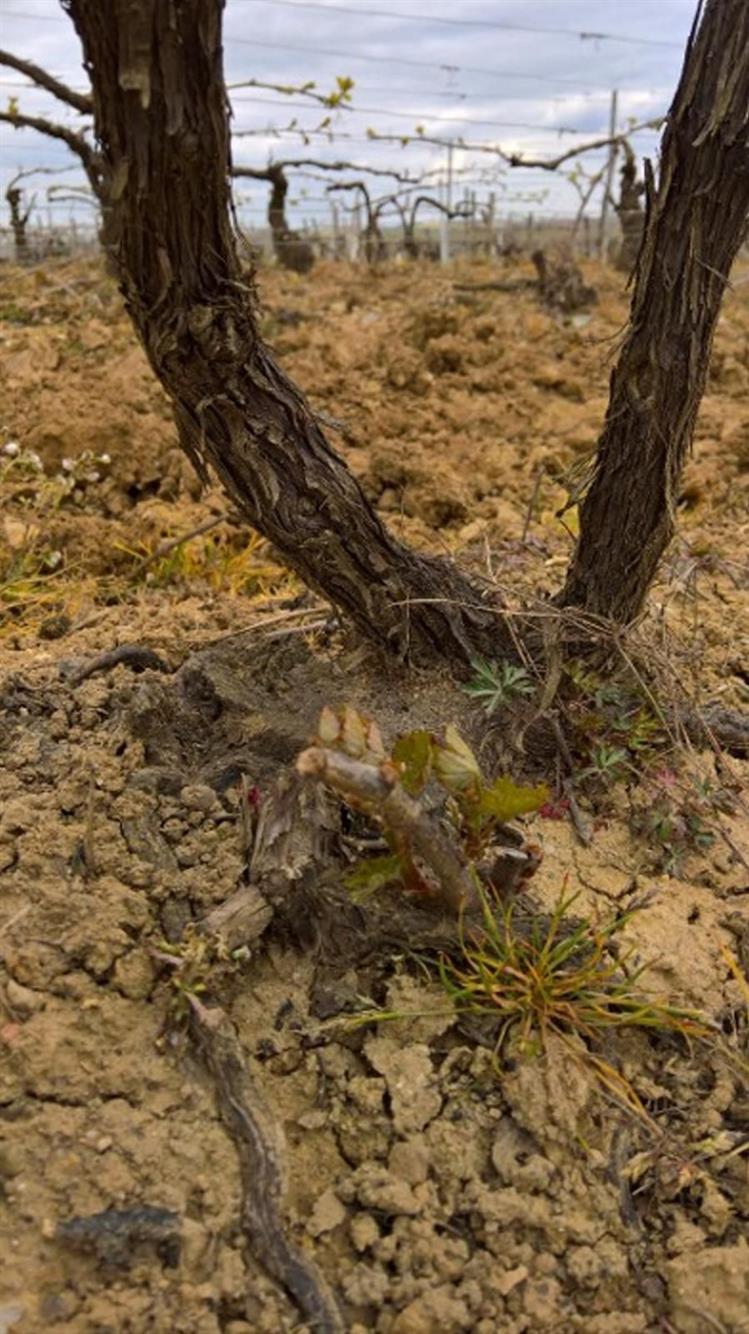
(518, 73)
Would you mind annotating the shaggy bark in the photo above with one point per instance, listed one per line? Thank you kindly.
(697, 221)
(161, 121)
(160, 115)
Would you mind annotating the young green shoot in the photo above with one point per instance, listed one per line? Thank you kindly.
(495, 685)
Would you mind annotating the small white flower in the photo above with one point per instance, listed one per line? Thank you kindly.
(12, 449)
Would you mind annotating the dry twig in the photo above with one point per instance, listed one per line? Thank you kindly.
(136, 656)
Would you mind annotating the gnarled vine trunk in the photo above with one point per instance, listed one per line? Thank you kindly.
(291, 250)
(697, 221)
(18, 221)
(161, 122)
(630, 211)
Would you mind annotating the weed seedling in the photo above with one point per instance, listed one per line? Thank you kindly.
(496, 685)
(194, 962)
(240, 565)
(614, 728)
(607, 764)
(29, 584)
(557, 975)
(680, 818)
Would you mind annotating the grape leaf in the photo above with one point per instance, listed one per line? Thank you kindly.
(413, 754)
(505, 799)
(373, 874)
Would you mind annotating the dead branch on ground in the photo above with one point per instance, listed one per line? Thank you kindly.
(257, 1140)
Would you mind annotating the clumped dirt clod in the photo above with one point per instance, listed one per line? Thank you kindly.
(430, 1194)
